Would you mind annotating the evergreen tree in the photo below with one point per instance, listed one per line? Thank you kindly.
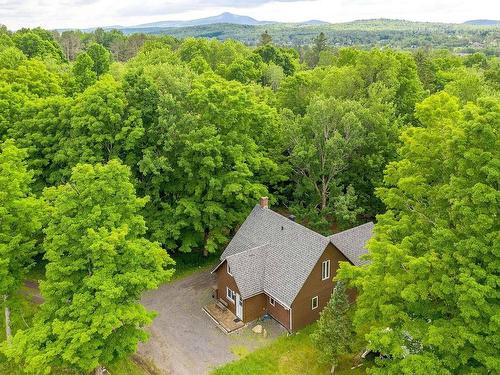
(265, 39)
(333, 334)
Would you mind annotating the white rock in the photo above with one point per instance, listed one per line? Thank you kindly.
(257, 329)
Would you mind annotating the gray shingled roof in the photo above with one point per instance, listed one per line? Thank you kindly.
(273, 254)
(352, 243)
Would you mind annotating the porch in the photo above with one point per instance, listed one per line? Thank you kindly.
(224, 318)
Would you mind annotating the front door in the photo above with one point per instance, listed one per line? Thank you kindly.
(239, 306)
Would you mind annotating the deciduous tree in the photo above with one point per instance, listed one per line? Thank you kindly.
(99, 263)
(430, 295)
(20, 220)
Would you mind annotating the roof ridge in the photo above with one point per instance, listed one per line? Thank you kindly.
(350, 229)
(292, 221)
(244, 251)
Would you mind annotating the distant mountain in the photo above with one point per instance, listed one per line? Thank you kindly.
(221, 18)
(483, 22)
(315, 22)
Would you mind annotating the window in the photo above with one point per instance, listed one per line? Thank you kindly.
(314, 303)
(229, 269)
(231, 295)
(325, 270)
(271, 301)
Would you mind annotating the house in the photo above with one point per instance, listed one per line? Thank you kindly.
(276, 266)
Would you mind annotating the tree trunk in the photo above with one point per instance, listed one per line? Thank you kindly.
(100, 371)
(8, 332)
(205, 239)
(332, 370)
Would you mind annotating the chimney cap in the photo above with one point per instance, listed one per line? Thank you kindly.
(264, 202)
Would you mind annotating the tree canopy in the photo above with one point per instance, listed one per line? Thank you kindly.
(99, 263)
(430, 295)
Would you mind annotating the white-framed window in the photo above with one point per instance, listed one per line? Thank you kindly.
(314, 303)
(272, 301)
(230, 294)
(325, 270)
(228, 269)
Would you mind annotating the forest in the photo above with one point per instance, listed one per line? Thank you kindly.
(459, 38)
(122, 154)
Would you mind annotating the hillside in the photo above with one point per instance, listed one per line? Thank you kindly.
(380, 32)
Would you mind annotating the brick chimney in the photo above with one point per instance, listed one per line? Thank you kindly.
(264, 202)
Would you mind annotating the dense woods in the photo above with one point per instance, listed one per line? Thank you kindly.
(119, 150)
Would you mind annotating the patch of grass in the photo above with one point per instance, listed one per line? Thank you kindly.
(287, 355)
(189, 263)
(126, 366)
(240, 351)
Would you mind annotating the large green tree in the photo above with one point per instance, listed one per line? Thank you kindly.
(100, 126)
(338, 150)
(101, 58)
(20, 220)
(83, 71)
(212, 164)
(99, 263)
(430, 296)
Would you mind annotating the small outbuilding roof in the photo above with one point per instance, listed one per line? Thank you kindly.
(273, 254)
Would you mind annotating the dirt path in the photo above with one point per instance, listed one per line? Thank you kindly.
(30, 289)
(184, 340)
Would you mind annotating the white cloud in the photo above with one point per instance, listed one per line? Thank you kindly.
(88, 13)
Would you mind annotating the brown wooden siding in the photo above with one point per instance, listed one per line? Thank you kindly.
(226, 280)
(254, 307)
(279, 312)
(302, 314)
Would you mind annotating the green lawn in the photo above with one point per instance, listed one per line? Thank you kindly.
(287, 355)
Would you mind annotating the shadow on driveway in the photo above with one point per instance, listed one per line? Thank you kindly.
(184, 340)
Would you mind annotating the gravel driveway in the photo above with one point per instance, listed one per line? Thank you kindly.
(184, 340)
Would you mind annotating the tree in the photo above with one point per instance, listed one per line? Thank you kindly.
(323, 144)
(287, 58)
(272, 76)
(101, 58)
(37, 43)
(100, 128)
(265, 39)
(212, 163)
(83, 70)
(430, 295)
(42, 128)
(11, 58)
(71, 43)
(333, 334)
(99, 263)
(319, 45)
(20, 220)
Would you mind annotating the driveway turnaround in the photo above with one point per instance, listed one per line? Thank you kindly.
(184, 339)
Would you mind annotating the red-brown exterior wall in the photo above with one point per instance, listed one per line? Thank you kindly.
(254, 307)
(279, 312)
(302, 314)
(226, 280)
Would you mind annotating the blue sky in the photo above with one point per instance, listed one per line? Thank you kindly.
(88, 13)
